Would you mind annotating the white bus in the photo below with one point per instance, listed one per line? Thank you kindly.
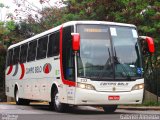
(78, 63)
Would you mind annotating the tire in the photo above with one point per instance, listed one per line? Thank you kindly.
(51, 106)
(20, 101)
(110, 108)
(57, 106)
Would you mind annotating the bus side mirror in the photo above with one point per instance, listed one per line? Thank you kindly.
(150, 43)
(75, 41)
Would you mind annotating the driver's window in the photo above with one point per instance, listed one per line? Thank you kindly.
(67, 54)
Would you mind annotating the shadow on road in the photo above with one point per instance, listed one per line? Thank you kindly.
(81, 110)
(84, 110)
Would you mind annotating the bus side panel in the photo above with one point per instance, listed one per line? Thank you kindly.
(40, 75)
(38, 78)
(11, 79)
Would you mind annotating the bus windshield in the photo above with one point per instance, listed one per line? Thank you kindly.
(108, 53)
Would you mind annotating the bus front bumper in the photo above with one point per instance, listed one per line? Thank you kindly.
(92, 97)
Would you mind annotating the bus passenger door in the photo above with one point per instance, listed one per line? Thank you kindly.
(70, 76)
(68, 63)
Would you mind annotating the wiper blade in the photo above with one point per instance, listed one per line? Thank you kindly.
(116, 61)
(105, 66)
(128, 77)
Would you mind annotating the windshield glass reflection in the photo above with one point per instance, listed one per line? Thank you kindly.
(100, 58)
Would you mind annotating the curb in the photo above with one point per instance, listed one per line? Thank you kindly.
(139, 108)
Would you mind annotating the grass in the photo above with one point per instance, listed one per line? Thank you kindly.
(151, 103)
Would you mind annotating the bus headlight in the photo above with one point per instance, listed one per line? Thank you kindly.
(85, 86)
(138, 86)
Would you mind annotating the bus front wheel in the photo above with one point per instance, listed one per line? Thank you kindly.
(110, 108)
(58, 106)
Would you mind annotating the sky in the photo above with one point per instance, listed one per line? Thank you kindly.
(4, 11)
(10, 3)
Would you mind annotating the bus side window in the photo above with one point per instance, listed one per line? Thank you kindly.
(67, 54)
(16, 55)
(42, 47)
(9, 57)
(32, 51)
(53, 45)
(23, 53)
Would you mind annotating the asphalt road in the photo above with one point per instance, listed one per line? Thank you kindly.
(42, 112)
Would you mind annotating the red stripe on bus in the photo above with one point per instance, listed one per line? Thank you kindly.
(67, 82)
(10, 69)
(23, 71)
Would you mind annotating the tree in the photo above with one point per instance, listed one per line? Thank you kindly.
(7, 32)
(33, 19)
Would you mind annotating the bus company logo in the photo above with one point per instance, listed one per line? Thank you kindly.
(47, 68)
(10, 69)
(16, 70)
(114, 89)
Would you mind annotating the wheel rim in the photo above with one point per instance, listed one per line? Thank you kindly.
(57, 103)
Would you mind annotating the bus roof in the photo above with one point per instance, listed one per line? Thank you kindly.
(68, 24)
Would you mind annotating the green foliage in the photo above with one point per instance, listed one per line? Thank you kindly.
(2, 73)
(10, 25)
(151, 103)
(2, 66)
(7, 32)
(1, 5)
(143, 13)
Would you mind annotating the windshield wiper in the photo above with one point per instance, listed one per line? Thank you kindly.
(116, 61)
(108, 63)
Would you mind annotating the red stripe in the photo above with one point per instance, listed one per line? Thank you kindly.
(67, 82)
(23, 71)
(10, 69)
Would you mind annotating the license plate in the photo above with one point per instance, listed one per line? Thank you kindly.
(113, 97)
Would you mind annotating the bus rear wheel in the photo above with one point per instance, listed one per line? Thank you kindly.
(110, 108)
(58, 106)
(20, 101)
